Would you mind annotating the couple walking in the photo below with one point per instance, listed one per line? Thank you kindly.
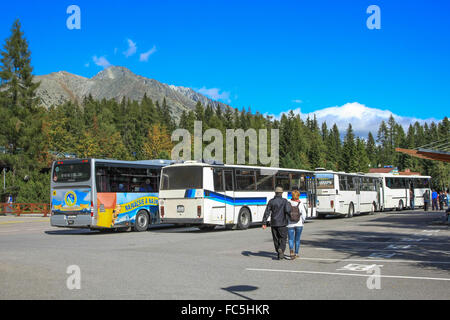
(286, 221)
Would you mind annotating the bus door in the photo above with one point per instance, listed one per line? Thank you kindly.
(408, 185)
(228, 182)
(312, 196)
(358, 182)
(379, 196)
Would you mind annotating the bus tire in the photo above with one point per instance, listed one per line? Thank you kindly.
(321, 216)
(244, 219)
(351, 210)
(142, 221)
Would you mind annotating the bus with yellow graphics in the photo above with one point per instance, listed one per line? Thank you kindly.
(105, 194)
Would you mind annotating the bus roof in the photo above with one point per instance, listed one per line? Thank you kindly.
(154, 162)
(390, 175)
(205, 164)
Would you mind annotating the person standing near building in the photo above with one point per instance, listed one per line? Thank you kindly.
(295, 226)
(441, 200)
(279, 210)
(447, 198)
(411, 197)
(434, 201)
(426, 200)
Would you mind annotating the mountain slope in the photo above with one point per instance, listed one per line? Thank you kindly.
(116, 83)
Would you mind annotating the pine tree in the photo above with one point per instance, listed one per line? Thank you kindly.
(349, 152)
(17, 95)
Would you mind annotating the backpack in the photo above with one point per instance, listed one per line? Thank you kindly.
(295, 213)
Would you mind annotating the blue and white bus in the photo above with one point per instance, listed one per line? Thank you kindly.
(210, 195)
(105, 194)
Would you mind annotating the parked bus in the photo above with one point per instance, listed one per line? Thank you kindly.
(210, 195)
(105, 194)
(345, 194)
(395, 190)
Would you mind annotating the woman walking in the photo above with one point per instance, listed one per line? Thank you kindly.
(295, 226)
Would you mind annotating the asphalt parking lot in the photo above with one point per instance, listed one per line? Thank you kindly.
(398, 255)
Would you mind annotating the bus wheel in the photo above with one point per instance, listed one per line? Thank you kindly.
(244, 219)
(142, 221)
(321, 216)
(207, 227)
(351, 211)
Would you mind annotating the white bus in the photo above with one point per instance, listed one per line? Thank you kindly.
(345, 194)
(105, 194)
(395, 190)
(210, 195)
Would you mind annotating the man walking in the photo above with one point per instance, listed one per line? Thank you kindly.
(279, 210)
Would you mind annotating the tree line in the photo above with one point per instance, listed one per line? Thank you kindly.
(32, 136)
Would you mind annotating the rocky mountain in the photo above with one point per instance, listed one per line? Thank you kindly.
(116, 83)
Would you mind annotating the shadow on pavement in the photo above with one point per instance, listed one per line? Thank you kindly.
(263, 254)
(430, 251)
(240, 288)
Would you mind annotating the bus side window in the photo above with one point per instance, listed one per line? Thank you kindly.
(229, 180)
(343, 183)
(218, 180)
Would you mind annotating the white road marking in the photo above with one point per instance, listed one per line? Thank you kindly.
(399, 246)
(375, 249)
(348, 274)
(411, 240)
(381, 255)
(393, 242)
(373, 260)
(358, 267)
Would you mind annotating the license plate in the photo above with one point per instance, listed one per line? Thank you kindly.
(180, 209)
(71, 217)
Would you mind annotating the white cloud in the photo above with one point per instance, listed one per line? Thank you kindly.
(132, 48)
(362, 118)
(214, 93)
(102, 62)
(144, 56)
(297, 101)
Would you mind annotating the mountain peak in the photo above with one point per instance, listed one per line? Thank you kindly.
(113, 72)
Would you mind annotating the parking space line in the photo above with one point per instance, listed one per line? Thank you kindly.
(348, 274)
(374, 260)
(376, 250)
(22, 221)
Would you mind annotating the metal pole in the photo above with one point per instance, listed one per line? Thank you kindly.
(4, 179)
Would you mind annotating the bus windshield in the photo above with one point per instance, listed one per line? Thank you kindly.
(176, 178)
(325, 180)
(71, 172)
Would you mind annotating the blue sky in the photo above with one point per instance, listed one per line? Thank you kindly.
(271, 56)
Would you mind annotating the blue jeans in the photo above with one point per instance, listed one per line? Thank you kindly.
(294, 235)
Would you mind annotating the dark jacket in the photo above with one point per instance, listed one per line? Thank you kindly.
(279, 210)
